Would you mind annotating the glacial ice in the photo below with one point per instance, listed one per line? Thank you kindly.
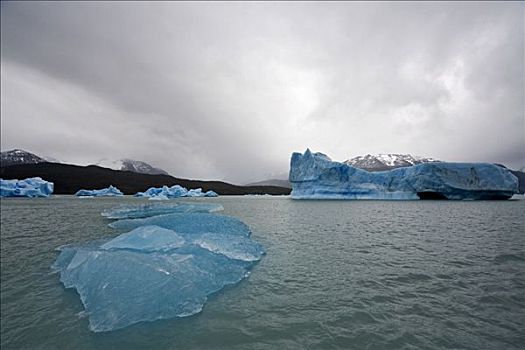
(157, 271)
(232, 246)
(111, 191)
(197, 192)
(31, 187)
(174, 191)
(147, 210)
(147, 239)
(316, 176)
(188, 224)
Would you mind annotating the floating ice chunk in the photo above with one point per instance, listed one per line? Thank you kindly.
(234, 247)
(198, 193)
(315, 176)
(195, 193)
(160, 197)
(153, 273)
(146, 239)
(147, 210)
(149, 192)
(189, 224)
(111, 191)
(31, 187)
(122, 287)
(175, 191)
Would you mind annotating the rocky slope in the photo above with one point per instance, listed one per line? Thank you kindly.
(18, 156)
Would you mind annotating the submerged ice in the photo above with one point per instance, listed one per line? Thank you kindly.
(31, 187)
(174, 191)
(147, 210)
(314, 176)
(189, 223)
(111, 191)
(166, 266)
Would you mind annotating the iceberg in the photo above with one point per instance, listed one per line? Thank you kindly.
(31, 187)
(174, 191)
(147, 210)
(111, 191)
(198, 193)
(188, 224)
(232, 246)
(160, 271)
(316, 176)
(146, 239)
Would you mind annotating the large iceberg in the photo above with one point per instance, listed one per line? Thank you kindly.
(31, 187)
(111, 191)
(174, 191)
(316, 176)
(157, 271)
(147, 210)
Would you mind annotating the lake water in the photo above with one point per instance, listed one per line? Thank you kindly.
(337, 275)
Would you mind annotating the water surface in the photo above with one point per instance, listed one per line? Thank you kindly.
(337, 275)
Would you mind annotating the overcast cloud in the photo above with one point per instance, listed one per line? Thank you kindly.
(229, 90)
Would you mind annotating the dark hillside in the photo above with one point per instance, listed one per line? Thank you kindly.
(68, 179)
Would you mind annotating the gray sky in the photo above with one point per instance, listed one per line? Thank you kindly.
(229, 90)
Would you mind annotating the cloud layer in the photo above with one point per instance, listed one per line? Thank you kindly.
(229, 90)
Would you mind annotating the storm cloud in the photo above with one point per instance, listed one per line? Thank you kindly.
(229, 90)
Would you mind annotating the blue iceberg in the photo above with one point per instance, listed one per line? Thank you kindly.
(146, 239)
(198, 193)
(232, 246)
(174, 191)
(188, 224)
(157, 272)
(111, 191)
(316, 176)
(31, 187)
(147, 210)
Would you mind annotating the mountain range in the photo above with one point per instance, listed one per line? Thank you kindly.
(136, 166)
(18, 156)
(388, 161)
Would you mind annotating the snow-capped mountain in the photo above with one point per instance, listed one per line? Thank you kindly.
(135, 166)
(138, 166)
(389, 161)
(18, 156)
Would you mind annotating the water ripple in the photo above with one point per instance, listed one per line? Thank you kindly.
(337, 275)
